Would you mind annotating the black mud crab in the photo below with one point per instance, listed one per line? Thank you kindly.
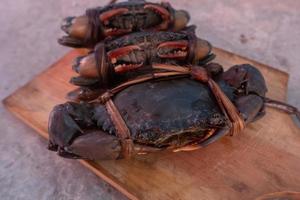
(123, 58)
(179, 114)
(118, 19)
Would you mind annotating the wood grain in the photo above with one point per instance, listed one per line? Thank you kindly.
(265, 158)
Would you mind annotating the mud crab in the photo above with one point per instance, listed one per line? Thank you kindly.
(123, 58)
(118, 19)
(178, 114)
(150, 91)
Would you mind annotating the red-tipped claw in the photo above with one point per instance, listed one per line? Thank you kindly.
(114, 54)
(173, 49)
(106, 16)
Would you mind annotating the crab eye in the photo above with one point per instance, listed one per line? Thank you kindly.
(243, 88)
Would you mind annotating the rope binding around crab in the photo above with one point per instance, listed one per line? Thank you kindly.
(162, 71)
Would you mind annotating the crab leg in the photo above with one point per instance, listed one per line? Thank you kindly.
(250, 107)
(84, 94)
(283, 107)
(216, 136)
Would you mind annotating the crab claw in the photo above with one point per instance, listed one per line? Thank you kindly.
(71, 42)
(246, 79)
(76, 29)
(126, 58)
(163, 13)
(71, 139)
(67, 24)
(85, 66)
(60, 121)
(105, 18)
(173, 49)
(250, 89)
(181, 19)
(81, 81)
(203, 51)
(96, 145)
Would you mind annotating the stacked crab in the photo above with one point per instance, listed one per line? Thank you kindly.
(147, 85)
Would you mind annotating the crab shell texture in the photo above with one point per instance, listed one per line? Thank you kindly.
(159, 114)
(120, 19)
(133, 54)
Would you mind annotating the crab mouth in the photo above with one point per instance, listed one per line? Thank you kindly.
(126, 58)
(173, 49)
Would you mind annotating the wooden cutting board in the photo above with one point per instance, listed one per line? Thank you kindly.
(264, 158)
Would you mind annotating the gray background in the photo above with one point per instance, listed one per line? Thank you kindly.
(267, 31)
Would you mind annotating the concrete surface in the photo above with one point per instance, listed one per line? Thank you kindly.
(267, 31)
